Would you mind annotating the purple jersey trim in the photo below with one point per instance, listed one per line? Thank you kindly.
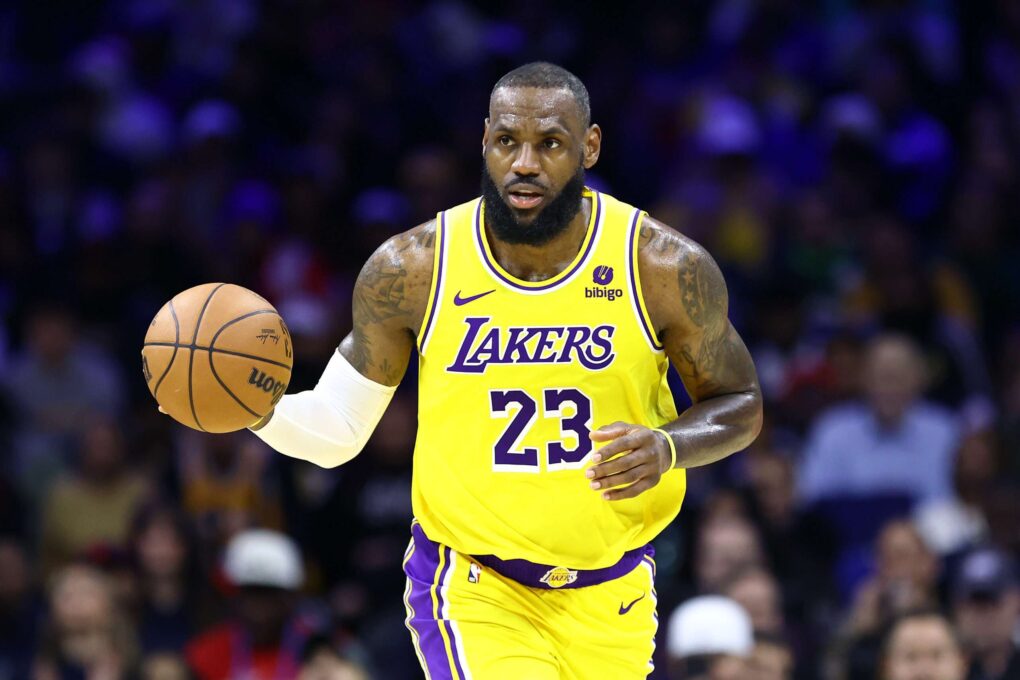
(423, 573)
(441, 244)
(446, 621)
(494, 268)
(635, 291)
(530, 574)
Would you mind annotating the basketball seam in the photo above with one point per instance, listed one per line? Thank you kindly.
(191, 358)
(177, 339)
(212, 348)
(212, 343)
(212, 367)
(220, 351)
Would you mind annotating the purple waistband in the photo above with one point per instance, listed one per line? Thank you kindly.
(547, 576)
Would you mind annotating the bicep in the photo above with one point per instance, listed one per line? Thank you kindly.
(388, 303)
(712, 361)
(700, 341)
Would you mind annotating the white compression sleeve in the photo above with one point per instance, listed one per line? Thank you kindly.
(330, 424)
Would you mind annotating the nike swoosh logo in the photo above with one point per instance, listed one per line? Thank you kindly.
(458, 300)
(624, 610)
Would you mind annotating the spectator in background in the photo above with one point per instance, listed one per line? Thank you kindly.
(226, 485)
(800, 544)
(893, 443)
(321, 661)
(956, 523)
(771, 658)
(922, 645)
(709, 638)
(724, 546)
(164, 666)
(929, 302)
(755, 589)
(986, 598)
(362, 560)
(265, 637)
(56, 386)
(88, 635)
(905, 579)
(168, 601)
(20, 611)
(102, 489)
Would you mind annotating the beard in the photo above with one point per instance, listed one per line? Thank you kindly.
(547, 225)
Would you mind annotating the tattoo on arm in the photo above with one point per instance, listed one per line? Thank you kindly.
(702, 345)
(379, 292)
(712, 357)
(384, 308)
(657, 240)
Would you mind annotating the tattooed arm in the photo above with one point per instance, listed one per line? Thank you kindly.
(390, 297)
(331, 422)
(687, 301)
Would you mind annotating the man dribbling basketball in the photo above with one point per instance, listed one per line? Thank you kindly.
(540, 310)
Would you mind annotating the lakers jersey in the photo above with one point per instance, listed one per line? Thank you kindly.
(514, 375)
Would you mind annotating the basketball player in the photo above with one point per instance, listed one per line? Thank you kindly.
(549, 450)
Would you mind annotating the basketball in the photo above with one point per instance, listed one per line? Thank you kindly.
(217, 357)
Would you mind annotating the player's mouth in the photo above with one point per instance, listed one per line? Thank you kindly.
(524, 197)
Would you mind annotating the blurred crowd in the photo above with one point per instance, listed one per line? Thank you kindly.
(849, 165)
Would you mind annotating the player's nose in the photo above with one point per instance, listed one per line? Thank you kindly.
(526, 164)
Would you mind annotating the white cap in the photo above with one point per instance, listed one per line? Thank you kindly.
(260, 557)
(710, 624)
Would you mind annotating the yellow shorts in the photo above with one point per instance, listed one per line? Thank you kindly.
(468, 621)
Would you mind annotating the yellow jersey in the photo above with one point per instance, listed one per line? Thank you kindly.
(514, 374)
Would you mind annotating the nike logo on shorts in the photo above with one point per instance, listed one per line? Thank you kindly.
(458, 300)
(624, 610)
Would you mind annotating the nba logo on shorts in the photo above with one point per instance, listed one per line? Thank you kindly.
(474, 573)
(557, 577)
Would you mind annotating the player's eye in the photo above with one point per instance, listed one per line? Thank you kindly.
(552, 144)
(505, 140)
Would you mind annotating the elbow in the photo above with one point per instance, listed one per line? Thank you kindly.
(756, 416)
(337, 455)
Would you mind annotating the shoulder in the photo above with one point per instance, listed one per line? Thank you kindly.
(673, 265)
(661, 247)
(394, 282)
(412, 250)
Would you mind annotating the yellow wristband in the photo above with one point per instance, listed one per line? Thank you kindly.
(672, 446)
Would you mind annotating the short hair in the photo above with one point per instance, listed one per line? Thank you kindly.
(912, 615)
(544, 75)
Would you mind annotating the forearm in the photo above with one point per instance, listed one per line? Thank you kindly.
(330, 424)
(714, 428)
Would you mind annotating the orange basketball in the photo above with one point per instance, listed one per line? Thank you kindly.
(217, 357)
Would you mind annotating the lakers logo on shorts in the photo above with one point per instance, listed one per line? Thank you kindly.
(557, 577)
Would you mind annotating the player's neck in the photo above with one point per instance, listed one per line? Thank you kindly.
(538, 263)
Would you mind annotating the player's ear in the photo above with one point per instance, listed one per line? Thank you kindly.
(592, 146)
(485, 137)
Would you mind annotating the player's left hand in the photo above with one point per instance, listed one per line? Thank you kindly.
(645, 458)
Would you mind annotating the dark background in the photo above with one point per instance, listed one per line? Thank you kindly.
(852, 166)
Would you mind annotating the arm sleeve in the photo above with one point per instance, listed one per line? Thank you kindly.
(328, 425)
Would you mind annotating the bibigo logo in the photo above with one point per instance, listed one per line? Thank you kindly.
(602, 277)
